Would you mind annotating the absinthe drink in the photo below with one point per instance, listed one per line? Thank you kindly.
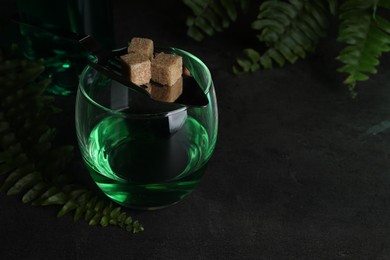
(140, 156)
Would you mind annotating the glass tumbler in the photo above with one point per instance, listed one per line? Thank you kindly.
(138, 158)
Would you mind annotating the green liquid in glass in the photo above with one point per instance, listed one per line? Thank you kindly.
(136, 165)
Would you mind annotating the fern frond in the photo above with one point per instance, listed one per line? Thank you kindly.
(367, 37)
(29, 165)
(210, 16)
(333, 6)
(290, 29)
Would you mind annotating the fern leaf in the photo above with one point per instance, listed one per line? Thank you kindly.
(24, 183)
(210, 16)
(367, 37)
(34, 192)
(290, 29)
(29, 164)
(230, 9)
(69, 206)
(13, 177)
(244, 4)
(333, 5)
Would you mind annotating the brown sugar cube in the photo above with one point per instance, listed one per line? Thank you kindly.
(166, 68)
(166, 93)
(137, 68)
(186, 72)
(142, 46)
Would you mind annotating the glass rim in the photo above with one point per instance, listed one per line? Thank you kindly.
(177, 51)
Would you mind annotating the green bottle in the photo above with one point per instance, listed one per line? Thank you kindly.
(64, 59)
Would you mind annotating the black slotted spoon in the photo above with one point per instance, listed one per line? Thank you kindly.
(108, 63)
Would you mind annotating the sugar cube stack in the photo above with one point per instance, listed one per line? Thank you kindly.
(161, 75)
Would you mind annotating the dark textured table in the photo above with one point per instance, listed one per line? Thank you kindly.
(300, 171)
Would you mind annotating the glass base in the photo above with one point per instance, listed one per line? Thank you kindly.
(147, 208)
(147, 196)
